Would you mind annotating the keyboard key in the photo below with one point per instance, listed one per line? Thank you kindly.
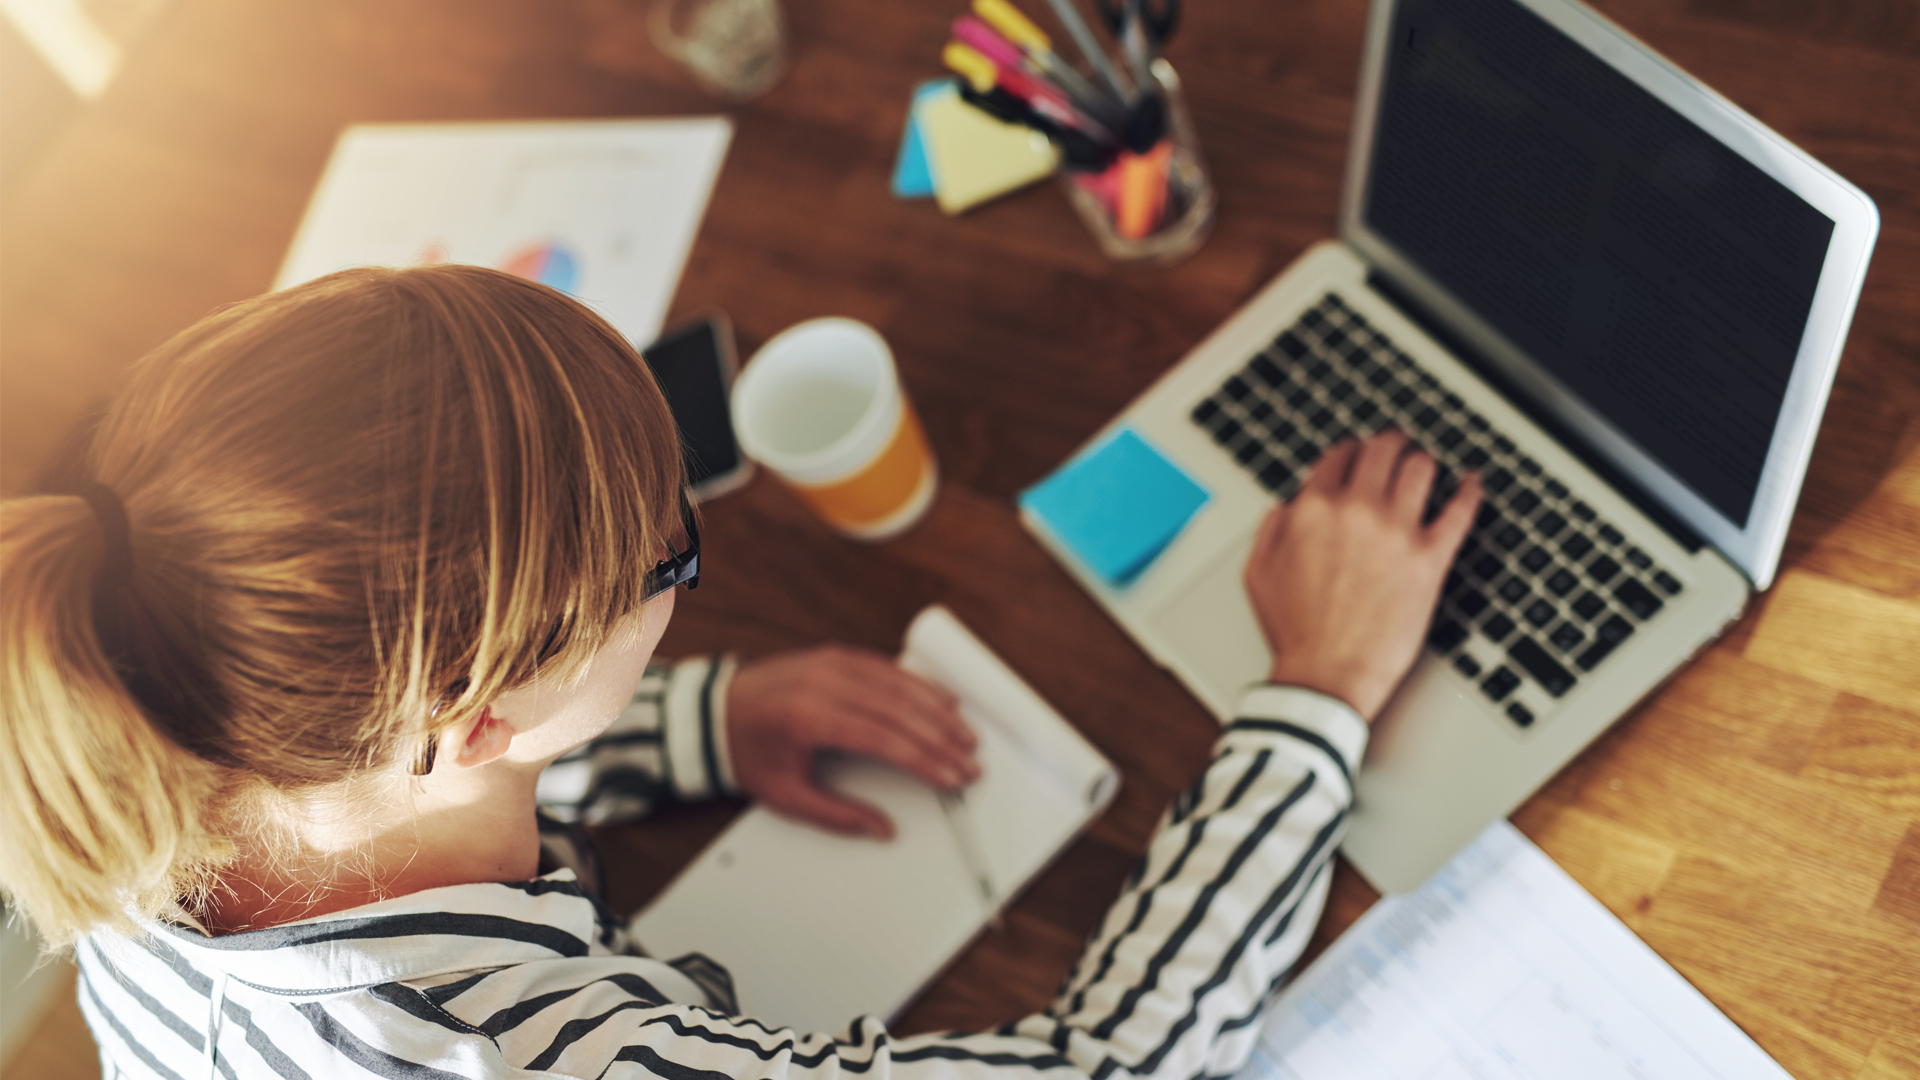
(1588, 606)
(1426, 418)
(1226, 429)
(1503, 445)
(1550, 524)
(1248, 451)
(1519, 714)
(1454, 583)
(1205, 411)
(1365, 411)
(1475, 457)
(1540, 613)
(1274, 476)
(1611, 535)
(1260, 412)
(1470, 603)
(1427, 380)
(1576, 545)
(1266, 370)
(1640, 559)
(1404, 396)
(1497, 627)
(1449, 437)
(1313, 317)
(1477, 422)
(1509, 537)
(1595, 653)
(1466, 665)
(1498, 481)
(1488, 567)
(1321, 418)
(1582, 511)
(1536, 558)
(1291, 345)
(1446, 634)
(1341, 390)
(1237, 388)
(1380, 376)
(1486, 516)
(1523, 501)
(1282, 430)
(1614, 631)
(1318, 371)
(1499, 684)
(1603, 569)
(1567, 637)
(1538, 663)
(1556, 490)
(1334, 336)
(1667, 582)
(1637, 598)
(1529, 466)
(1561, 582)
(1514, 590)
(1299, 398)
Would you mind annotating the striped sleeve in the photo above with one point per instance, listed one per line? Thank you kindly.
(1170, 986)
(669, 743)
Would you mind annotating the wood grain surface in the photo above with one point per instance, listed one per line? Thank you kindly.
(1757, 821)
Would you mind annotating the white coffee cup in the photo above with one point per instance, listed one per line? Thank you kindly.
(821, 405)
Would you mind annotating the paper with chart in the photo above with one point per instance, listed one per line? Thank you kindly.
(605, 210)
(817, 929)
(1499, 968)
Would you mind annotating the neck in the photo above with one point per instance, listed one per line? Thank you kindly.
(408, 834)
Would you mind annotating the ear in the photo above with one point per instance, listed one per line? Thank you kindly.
(476, 742)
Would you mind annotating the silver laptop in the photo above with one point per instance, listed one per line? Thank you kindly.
(1564, 264)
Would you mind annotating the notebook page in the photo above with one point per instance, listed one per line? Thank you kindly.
(817, 929)
(1500, 968)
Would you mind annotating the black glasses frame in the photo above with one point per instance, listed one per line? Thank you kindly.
(681, 569)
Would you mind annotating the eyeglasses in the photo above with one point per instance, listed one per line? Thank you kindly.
(681, 569)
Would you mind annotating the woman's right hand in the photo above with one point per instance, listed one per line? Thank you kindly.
(1344, 578)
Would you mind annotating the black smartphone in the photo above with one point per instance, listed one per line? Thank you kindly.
(694, 365)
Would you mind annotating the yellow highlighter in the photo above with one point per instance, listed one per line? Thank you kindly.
(965, 61)
(1013, 25)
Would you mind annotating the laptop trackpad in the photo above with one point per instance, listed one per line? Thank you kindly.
(1209, 627)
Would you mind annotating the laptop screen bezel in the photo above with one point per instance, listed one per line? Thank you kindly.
(1755, 547)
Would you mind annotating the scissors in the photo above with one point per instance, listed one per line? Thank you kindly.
(1157, 25)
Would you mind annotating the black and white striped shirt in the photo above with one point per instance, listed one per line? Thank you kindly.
(536, 978)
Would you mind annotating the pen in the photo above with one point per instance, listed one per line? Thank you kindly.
(1045, 99)
(1083, 39)
(1013, 25)
(976, 33)
(966, 834)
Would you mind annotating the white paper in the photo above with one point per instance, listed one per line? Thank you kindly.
(604, 209)
(817, 929)
(1500, 968)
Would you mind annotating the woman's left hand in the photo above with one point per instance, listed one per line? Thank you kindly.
(783, 710)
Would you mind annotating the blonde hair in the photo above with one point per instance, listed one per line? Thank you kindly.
(359, 510)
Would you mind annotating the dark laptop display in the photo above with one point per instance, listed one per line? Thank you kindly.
(1652, 271)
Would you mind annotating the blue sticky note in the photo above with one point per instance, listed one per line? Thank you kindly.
(912, 173)
(1117, 506)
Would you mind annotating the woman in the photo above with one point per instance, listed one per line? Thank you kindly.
(362, 558)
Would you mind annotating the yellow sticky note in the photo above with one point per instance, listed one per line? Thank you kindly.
(975, 157)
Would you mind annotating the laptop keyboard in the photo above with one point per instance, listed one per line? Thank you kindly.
(1544, 589)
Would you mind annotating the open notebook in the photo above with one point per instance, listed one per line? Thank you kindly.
(817, 929)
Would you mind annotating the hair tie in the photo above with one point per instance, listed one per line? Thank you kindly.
(115, 533)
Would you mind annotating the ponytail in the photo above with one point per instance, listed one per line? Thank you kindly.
(105, 818)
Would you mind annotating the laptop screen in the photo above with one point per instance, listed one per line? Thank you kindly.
(1653, 272)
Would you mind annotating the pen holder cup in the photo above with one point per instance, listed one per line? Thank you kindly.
(1153, 208)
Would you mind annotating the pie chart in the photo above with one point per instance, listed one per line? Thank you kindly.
(546, 263)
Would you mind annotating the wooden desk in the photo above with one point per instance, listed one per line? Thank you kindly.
(1758, 822)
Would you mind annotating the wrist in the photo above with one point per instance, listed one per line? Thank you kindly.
(1351, 688)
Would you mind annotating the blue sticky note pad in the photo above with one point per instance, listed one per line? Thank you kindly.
(1117, 506)
(912, 173)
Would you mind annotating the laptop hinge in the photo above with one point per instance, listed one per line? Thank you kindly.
(1678, 530)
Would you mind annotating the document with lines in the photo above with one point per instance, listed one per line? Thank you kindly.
(794, 913)
(1500, 968)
